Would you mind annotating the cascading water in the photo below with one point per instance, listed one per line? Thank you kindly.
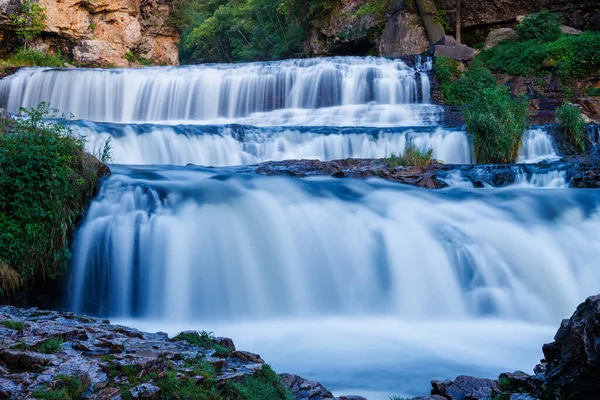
(367, 286)
(238, 144)
(537, 147)
(363, 88)
(331, 264)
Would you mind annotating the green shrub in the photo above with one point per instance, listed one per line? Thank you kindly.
(570, 56)
(461, 89)
(594, 92)
(496, 122)
(66, 388)
(264, 384)
(35, 58)
(572, 123)
(129, 56)
(412, 157)
(207, 340)
(46, 182)
(543, 26)
(16, 325)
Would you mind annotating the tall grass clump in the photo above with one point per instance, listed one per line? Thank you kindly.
(46, 182)
(572, 123)
(496, 122)
(412, 157)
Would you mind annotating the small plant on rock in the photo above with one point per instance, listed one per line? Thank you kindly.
(412, 157)
(30, 22)
(571, 121)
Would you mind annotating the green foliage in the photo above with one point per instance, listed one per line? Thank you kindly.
(570, 56)
(245, 30)
(48, 346)
(30, 21)
(543, 26)
(439, 17)
(461, 88)
(66, 388)
(572, 123)
(497, 122)
(264, 384)
(412, 156)
(129, 56)
(374, 8)
(16, 325)
(35, 58)
(205, 339)
(92, 27)
(46, 182)
(594, 92)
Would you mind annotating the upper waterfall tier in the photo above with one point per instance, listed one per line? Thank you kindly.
(356, 90)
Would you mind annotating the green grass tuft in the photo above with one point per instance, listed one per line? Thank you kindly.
(35, 58)
(412, 157)
(16, 325)
(264, 384)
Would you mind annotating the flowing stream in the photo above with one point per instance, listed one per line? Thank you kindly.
(370, 287)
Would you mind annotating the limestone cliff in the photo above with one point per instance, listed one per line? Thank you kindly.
(117, 33)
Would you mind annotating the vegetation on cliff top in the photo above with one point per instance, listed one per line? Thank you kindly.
(46, 182)
(541, 49)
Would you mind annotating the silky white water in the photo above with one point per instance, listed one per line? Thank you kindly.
(370, 287)
(229, 92)
(209, 249)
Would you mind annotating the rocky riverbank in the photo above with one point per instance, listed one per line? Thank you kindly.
(63, 355)
(435, 176)
(569, 370)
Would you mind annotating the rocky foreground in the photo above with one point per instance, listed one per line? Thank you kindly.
(434, 176)
(63, 355)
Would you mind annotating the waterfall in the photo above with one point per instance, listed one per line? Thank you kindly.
(239, 144)
(193, 243)
(537, 146)
(227, 92)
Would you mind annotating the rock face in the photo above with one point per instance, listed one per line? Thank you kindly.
(102, 32)
(404, 35)
(572, 361)
(581, 14)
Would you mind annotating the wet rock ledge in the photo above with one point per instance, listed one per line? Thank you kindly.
(63, 355)
(434, 176)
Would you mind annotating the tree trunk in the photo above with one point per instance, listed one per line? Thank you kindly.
(458, 21)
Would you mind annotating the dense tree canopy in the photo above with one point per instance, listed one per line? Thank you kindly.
(245, 30)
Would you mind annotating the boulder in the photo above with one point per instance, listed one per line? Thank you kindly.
(304, 389)
(404, 35)
(145, 391)
(499, 35)
(573, 359)
(466, 388)
(570, 31)
(449, 47)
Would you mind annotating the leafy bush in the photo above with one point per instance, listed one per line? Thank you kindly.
(497, 122)
(572, 123)
(462, 89)
(264, 384)
(543, 26)
(570, 56)
(35, 58)
(30, 21)
(46, 182)
(412, 156)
